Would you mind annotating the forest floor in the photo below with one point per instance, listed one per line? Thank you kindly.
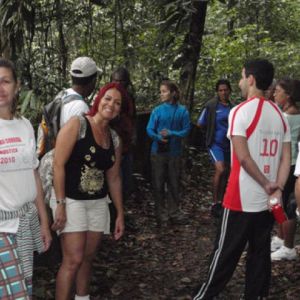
(169, 263)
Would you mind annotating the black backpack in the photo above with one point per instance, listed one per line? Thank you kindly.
(50, 124)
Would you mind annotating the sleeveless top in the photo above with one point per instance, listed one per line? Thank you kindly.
(85, 170)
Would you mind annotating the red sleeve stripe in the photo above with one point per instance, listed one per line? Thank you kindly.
(256, 118)
(277, 109)
(234, 114)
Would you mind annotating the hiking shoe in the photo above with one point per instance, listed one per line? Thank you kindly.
(276, 243)
(284, 253)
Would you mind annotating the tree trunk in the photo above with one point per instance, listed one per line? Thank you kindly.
(230, 22)
(123, 35)
(191, 52)
(63, 50)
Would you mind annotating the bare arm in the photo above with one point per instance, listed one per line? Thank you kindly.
(65, 142)
(42, 212)
(115, 188)
(241, 149)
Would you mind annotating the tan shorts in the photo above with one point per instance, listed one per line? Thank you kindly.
(85, 215)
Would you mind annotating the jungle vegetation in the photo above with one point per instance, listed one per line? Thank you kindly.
(194, 42)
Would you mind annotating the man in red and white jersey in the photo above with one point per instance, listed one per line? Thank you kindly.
(260, 162)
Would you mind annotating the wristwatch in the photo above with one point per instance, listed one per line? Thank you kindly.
(61, 201)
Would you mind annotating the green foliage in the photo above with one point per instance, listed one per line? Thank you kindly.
(269, 29)
(44, 36)
(30, 106)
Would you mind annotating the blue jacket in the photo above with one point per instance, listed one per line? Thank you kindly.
(161, 118)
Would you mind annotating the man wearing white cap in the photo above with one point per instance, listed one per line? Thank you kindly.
(67, 103)
(84, 75)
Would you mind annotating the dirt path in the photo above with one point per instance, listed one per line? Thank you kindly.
(168, 263)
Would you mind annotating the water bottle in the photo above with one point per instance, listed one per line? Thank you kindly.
(277, 211)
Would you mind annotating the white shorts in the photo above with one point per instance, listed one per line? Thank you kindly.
(85, 215)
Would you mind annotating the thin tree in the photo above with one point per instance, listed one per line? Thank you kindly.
(191, 51)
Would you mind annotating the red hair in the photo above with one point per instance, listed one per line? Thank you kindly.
(112, 85)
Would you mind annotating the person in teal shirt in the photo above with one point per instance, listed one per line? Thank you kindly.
(169, 123)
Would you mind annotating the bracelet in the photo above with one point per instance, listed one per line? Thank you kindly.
(61, 201)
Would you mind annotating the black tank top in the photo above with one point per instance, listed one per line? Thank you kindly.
(85, 170)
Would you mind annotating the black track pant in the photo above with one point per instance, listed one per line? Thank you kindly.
(238, 228)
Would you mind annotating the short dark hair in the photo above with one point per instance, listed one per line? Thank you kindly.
(223, 81)
(83, 80)
(123, 73)
(262, 70)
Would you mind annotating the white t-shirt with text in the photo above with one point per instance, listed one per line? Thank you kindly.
(17, 163)
(263, 125)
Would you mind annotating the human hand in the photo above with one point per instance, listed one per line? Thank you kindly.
(164, 141)
(46, 236)
(119, 228)
(270, 187)
(298, 213)
(278, 195)
(164, 133)
(60, 218)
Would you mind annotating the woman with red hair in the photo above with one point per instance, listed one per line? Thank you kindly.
(87, 168)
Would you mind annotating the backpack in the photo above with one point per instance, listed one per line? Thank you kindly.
(50, 124)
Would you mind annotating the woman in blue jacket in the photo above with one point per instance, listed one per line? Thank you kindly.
(169, 123)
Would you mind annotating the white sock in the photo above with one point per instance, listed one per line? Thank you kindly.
(87, 297)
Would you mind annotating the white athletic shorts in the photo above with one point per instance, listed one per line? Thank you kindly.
(85, 215)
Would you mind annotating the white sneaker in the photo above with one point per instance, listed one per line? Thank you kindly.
(284, 253)
(276, 243)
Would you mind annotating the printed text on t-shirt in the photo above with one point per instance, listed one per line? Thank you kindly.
(10, 140)
(270, 147)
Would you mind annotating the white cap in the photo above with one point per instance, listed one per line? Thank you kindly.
(83, 67)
